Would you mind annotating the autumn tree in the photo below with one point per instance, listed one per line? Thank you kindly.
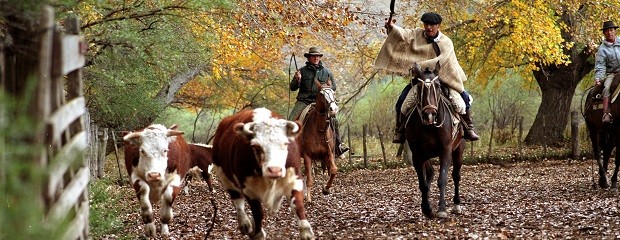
(550, 42)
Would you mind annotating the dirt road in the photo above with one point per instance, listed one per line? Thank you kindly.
(542, 200)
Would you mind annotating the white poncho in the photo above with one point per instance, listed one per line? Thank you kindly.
(404, 47)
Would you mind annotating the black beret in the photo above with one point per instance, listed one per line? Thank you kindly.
(431, 18)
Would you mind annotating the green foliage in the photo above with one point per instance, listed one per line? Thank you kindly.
(135, 49)
(108, 205)
(196, 130)
(21, 177)
(503, 104)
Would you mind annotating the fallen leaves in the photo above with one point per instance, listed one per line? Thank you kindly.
(531, 200)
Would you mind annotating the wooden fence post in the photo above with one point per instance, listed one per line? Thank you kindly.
(350, 146)
(575, 134)
(364, 131)
(491, 138)
(382, 146)
(520, 139)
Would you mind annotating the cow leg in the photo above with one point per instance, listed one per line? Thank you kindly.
(444, 165)
(421, 168)
(242, 217)
(146, 209)
(297, 207)
(207, 177)
(258, 214)
(333, 170)
(309, 178)
(165, 211)
(457, 163)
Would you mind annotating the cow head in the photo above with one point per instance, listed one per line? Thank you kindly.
(153, 143)
(269, 138)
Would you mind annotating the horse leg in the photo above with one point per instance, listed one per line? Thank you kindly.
(309, 178)
(614, 177)
(333, 170)
(597, 140)
(421, 168)
(457, 162)
(444, 165)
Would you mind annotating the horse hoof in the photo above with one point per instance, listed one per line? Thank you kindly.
(603, 184)
(442, 214)
(325, 191)
(457, 209)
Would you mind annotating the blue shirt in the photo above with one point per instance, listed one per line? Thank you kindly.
(607, 59)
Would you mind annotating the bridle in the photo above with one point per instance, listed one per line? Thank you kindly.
(330, 97)
(432, 99)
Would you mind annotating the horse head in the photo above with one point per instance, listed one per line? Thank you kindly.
(429, 94)
(326, 98)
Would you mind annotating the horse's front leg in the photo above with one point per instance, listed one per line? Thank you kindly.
(598, 145)
(444, 164)
(421, 168)
(309, 177)
(333, 170)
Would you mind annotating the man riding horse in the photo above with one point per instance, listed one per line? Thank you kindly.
(304, 81)
(425, 46)
(607, 64)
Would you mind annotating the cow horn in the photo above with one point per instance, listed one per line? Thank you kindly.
(292, 125)
(248, 127)
(174, 133)
(132, 137)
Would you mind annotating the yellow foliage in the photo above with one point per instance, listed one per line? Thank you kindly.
(498, 36)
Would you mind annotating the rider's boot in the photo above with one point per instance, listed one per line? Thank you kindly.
(469, 127)
(606, 113)
(341, 148)
(399, 131)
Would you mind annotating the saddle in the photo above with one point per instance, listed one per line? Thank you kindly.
(596, 96)
(304, 113)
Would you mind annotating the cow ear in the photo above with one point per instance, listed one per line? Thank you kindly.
(292, 129)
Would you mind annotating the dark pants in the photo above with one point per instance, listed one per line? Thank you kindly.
(401, 99)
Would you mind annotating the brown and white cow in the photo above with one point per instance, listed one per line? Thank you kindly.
(156, 174)
(255, 157)
(202, 162)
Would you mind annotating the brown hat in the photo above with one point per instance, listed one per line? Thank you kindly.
(313, 51)
(609, 24)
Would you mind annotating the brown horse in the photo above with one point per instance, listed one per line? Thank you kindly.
(602, 135)
(431, 132)
(316, 140)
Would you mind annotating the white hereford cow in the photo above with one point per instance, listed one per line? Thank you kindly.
(255, 156)
(157, 159)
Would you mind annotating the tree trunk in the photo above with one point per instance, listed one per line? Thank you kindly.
(557, 85)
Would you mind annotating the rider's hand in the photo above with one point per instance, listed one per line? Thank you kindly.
(389, 25)
(597, 82)
(297, 76)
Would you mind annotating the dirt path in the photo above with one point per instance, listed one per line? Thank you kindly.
(543, 200)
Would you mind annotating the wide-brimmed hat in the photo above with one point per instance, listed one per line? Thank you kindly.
(313, 51)
(609, 24)
(431, 18)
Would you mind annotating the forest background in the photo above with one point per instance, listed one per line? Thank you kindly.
(191, 62)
